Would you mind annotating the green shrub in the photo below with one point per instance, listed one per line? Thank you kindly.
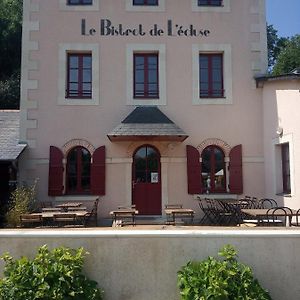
(55, 274)
(22, 200)
(224, 279)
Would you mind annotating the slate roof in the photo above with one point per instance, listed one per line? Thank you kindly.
(10, 148)
(147, 123)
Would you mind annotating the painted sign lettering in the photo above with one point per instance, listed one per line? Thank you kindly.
(109, 29)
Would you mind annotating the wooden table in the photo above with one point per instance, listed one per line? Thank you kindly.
(261, 213)
(125, 216)
(47, 216)
(174, 213)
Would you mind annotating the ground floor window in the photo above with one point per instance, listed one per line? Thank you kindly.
(213, 170)
(207, 168)
(286, 175)
(78, 171)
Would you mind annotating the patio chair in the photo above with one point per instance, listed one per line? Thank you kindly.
(296, 221)
(267, 203)
(207, 208)
(284, 219)
(92, 216)
(64, 219)
(31, 220)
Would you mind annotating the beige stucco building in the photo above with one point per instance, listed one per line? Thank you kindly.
(151, 102)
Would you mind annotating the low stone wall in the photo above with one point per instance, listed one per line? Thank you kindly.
(143, 264)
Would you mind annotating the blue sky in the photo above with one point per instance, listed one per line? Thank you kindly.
(284, 15)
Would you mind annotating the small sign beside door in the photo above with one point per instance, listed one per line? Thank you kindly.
(154, 177)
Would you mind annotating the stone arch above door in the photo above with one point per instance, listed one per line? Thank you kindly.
(77, 142)
(217, 142)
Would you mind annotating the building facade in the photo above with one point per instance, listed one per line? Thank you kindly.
(143, 102)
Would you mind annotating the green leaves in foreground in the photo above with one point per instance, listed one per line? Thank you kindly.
(55, 274)
(224, 279)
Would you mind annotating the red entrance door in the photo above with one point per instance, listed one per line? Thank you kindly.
(146, 181)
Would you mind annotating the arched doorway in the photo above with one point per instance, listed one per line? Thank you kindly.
(146, 180)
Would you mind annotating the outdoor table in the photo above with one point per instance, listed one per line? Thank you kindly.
(124, 215)
(174, 213)
(261, 213)
(48, 215)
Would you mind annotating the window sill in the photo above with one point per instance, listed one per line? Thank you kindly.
(70, 198)
(284, 195)
(216, 196)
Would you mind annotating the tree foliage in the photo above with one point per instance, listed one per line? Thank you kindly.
(275, 45)
(10, 52)
(289, 57)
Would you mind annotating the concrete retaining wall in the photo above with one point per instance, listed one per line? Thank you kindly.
(143, 265)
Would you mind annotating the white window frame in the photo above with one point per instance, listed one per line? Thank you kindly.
(131, 49)
(145, 8)
(277, 164)
(64, 49)
(224, 8)
(93, 7)
(225, 49)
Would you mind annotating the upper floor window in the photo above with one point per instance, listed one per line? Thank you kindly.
(209, 2)
(79, 75)
(146, 75)
(211, 75)
(80, 2)
(145, 2)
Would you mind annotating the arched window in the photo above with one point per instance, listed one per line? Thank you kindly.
(213, 170)
(78, 175)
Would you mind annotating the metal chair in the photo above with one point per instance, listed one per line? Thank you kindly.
(92, 216)
(279, 216)
(267, 203)
(208, 210)
(297, 219)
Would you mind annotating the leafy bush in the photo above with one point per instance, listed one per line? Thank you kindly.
(224, 279)
(22, 201)
(50, 275)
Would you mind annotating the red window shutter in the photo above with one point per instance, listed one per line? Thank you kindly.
(98, 172)
(56, 169)
(193, 170)
(236, 170)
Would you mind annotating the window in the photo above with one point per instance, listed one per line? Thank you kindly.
(79, 75)
(82, 174)
(211, 75)
(80, 2)
(146, 75)
(78, 171)
(286, 176)
(209, 2)
(213, 170)
(145, 2)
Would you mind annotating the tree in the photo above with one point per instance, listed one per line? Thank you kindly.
(289, 57)
(275, 45)
(10, 52)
